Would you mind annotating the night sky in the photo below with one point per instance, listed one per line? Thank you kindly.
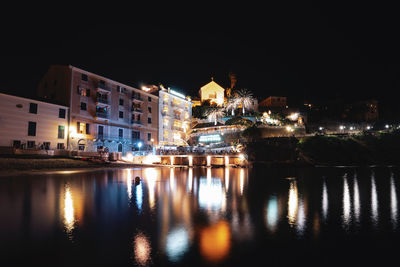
(303, 51)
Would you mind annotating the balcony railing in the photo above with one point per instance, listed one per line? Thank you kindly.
(138, 110)
(137, 97)
(136, 122)
(102, 100)
(103, 115)
(103, 87)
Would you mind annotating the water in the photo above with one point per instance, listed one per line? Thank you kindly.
(200, 217)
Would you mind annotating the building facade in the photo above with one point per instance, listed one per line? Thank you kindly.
(104, 114)
(175, 116)
(212, 92)
(32, 124)
(274, 101)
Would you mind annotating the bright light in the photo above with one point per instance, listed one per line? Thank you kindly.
(150, 159)
(386, 126)
(241, 157)
(128, 157)
(210, 138)
(190, 160)
(172, 160)
(341, 127)
(139, 144)
(368, 127)
(211, 194)
(208, 161)
(321, 128)
(144, 88)
(351, 128)
(289, 128)
(177, 93)
(293, 116)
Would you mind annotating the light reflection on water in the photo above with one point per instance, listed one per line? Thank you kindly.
(205, 213)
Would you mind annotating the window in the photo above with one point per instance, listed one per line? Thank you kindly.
(100, 131)
(60, 146)
(82, 128)
(121, 89)
(61, 131)
(149, 120)
(148, 136)
(121, 102)
(83, 106)
(30, 144)
(119, 147)
(149, 99)
(61, 113)
(81, 147)
(33, 108)
(135, 135)
(121, 114)
(120, 133)
(84, 77)
(83, 91)
(149, 109)
(17, 143)
(32, 128)
(46, 145)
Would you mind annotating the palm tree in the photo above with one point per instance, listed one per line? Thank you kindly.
(232, 104)
(215, 114)
(245, 98)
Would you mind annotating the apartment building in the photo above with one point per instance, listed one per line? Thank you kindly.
(104, 114)
(32, 124)
(175, 116)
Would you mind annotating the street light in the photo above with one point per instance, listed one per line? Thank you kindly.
(139, 146)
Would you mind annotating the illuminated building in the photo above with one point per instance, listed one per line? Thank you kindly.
(29, 123)
(212, 92)
(104, 114)
(175, 117)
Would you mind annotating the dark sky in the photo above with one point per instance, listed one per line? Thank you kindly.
(313, 50)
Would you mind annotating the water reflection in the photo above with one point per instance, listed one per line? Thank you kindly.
(272, 213)
(191, 215)
(142, 249)
(324, 200)
(346, 203)
(393, 201)
(356, 200)
(293, 202)
(215, 241)
(374, 201)
(177, 244)
(69, 217)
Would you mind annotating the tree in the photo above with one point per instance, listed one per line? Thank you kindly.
(232, 104)
(215, 114)
(245, 98)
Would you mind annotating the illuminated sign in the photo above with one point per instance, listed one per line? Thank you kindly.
(176, 93)
(210, 138)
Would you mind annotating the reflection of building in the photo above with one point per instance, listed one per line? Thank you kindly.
(28, 123)
(175, 113)
(212, 92)
(103, 113)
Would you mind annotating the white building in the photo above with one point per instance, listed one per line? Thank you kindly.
(175, 116)
(28, 123)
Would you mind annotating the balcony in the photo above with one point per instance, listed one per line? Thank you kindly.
(102, 101)
(136, 122)
(101, 115)
(104, 88)
(137, 110)
(165, 113)
(137, 98)
(176, 128)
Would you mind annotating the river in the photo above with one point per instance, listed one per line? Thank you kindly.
(200, 217)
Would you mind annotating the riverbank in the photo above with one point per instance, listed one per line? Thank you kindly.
(366, 149)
